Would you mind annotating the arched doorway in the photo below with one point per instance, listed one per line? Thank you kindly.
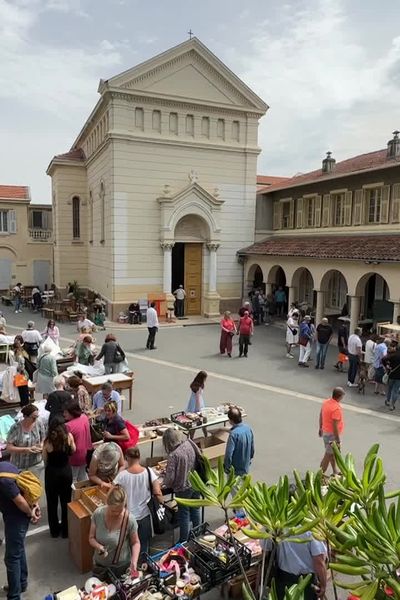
(255, 279)
(374, 292)
(303, 283)
(277, 277)
(191, 233)
(335, 287)
(277, 282)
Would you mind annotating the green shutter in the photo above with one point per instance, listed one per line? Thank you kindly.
(385, 204)
(395, 213)
(358, 207)
(299, 213)
(348, 197)
(317, 211)
(326, 210)
(277, 215)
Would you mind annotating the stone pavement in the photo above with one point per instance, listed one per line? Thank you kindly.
(282, 402)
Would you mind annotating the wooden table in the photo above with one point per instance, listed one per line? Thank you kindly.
(119, 381)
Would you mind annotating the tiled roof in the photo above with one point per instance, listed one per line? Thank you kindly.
(375, 248)
(14, 192)
(268, 180)
(363, 162)
(75, 154)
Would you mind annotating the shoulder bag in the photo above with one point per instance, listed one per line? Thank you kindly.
(121, 539)
(385, 377)
(157, 510)
(119, 355)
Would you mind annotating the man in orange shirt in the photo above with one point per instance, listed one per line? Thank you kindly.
(331, 427)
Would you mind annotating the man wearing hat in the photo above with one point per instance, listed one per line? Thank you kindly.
(324, 335)
(305, 341)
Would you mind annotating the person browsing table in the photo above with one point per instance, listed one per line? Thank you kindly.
(106, 394)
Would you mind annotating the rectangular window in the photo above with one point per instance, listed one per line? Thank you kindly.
(139, 118)
(221, 129)
(173, 123)
(309, 213)
(374, 205)
(76, 218)
(205, 127)
(3, 221)
(235, 131)
(190, 125)
(286, 207)
(338, 209)
(156, 121)
(37, 219)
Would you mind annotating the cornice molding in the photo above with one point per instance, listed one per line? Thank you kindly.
(144, 97)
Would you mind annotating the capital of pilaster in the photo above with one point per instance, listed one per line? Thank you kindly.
(167, 245)
(213, 247)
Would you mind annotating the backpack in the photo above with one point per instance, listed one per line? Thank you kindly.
(30, 485)
(133, 437)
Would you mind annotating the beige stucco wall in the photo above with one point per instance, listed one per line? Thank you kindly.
(21, 249)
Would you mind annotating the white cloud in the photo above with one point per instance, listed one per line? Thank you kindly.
(66, 6)
(325, 89)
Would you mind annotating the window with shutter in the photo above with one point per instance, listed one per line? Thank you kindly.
(299, 213)
(348, 205)
(291, 215)
(4, 221)
(277, 215)
(358, 207)
(373, 205)
(76, 218)
(12, 221)
(326, 210)
(385, 193)
(286, 215)
(395, 213)
(317, 211)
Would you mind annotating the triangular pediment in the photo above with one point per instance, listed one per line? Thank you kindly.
(188, 72)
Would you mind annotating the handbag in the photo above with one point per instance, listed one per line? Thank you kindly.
(385, 376)
(157, 510)
(96, 432)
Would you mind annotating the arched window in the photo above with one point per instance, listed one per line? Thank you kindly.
(102, 213)
(76, 218)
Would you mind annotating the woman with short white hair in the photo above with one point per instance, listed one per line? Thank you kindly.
(46, 370)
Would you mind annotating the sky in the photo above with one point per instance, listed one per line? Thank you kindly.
(329, 70)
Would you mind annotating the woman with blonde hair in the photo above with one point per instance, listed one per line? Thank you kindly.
(113, 535)
(228, 330)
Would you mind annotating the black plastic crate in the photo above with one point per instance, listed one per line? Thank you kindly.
(232, 564)
(209, 570)
(123, 590)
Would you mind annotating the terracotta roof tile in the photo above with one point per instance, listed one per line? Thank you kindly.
(14, 192)
(270, 179)
(371, 160)
(380, 248)
(74, 154)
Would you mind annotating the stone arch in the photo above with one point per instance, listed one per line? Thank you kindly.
(303, 282)
(335, 287)
(277, 276)
(255, 277)
(191, 228)
(374, 292)
(195, 209)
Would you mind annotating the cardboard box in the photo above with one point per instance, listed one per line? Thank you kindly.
(213, 446)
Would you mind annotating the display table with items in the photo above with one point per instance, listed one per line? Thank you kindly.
(185, 571)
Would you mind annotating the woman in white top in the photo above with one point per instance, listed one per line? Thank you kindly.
(135, 481)
(292, 333)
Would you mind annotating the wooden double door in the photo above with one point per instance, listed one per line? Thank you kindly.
(193, 269)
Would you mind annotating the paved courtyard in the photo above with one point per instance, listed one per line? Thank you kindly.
(282, 402)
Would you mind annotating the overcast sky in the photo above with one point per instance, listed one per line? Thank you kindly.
(329, 70)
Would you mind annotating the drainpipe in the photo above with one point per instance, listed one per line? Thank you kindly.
(242, 261)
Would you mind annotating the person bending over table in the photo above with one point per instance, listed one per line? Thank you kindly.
(106, 462)
(113, 535)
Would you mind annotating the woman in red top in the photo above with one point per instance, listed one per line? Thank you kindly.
(78, 425)
(228, 330)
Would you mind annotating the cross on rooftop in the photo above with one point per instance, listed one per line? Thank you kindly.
(190, 34)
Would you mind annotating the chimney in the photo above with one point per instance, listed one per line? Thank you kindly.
(328, 164)
(393, 146)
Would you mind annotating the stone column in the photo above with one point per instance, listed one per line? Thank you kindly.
(268, 288)
(212, 298)
(354, 312)
(292, 293)
(167, 277)
(396, 310)
(320, 308)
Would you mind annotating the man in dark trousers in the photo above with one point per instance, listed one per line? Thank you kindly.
(240, 445)
(17, 514)
(246, 327)
(324, 336)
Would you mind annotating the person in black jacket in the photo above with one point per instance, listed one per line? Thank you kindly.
(391, 362)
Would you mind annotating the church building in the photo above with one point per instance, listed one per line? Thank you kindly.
(159, 187)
